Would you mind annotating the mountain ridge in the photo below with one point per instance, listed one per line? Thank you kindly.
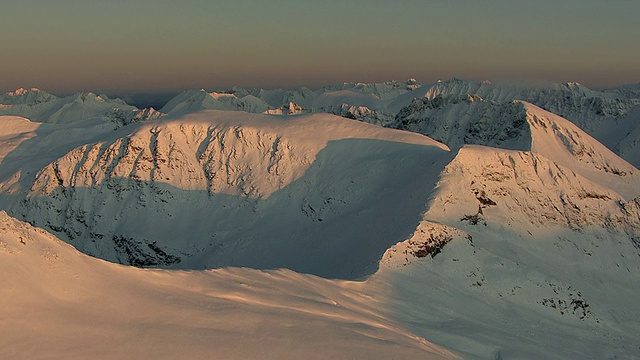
(525, 231)
(610, 115)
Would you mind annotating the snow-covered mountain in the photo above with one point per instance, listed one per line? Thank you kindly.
(196, 100)
(25, 97)
(630, 91)
(519, 248)
(40, 106)
(521, 239)
(129, 198)
(611, 116)
(377, 102)
(514, 241)
(517, 125)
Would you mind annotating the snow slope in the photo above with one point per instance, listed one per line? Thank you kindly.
(495, 293)
(331, 182)
(519, 125)
(58, 303)
(525, 247)
(531, 190)
(519, 257)
(566, 144)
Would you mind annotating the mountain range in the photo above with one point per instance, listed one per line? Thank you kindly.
(458, 219)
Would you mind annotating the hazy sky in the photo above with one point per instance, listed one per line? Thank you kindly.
(162, 45)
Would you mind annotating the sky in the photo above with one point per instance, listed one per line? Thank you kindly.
(66, 46)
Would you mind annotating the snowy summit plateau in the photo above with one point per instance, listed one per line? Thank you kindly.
(447, 220)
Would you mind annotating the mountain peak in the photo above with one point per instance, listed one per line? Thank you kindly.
(22, 91)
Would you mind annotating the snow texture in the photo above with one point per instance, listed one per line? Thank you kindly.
(317, 236)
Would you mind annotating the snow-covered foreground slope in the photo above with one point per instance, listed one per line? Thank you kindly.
(506, 294)
(57, 303)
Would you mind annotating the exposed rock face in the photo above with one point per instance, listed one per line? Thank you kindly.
(427, 241)
(361, 113)
(226, 159)
(610, 116)
(524, 189)
(458, 120)
(149, 170)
